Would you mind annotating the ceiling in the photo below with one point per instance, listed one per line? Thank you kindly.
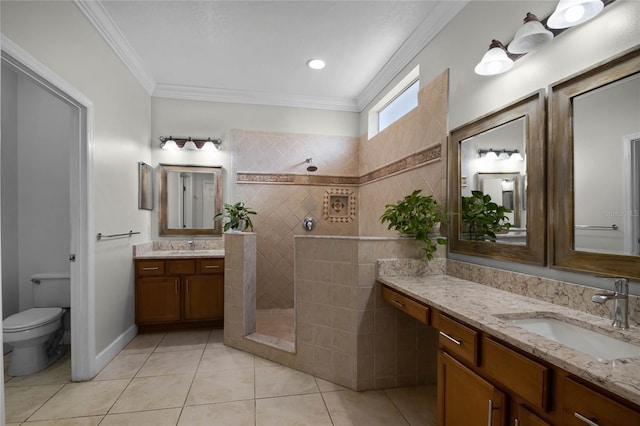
(256, 51)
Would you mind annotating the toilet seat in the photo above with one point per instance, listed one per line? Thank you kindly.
(31, 318)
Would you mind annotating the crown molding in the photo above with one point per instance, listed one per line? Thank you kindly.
(437, 19)
(100, 19)
(195, 93)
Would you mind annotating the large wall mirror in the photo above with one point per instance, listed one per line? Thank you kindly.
(595, 192)
(498, 161)
(190, 196)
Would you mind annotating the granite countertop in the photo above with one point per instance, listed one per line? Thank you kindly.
(488, 309)
(155, 254)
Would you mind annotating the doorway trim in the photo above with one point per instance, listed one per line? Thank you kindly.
(631, 203)
(83, 347)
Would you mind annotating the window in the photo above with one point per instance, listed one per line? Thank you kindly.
(395, 104)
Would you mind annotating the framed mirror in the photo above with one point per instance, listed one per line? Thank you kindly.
(497, 168)
(595, 179)
(190, 196)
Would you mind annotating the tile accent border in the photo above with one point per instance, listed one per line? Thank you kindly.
(420, 158)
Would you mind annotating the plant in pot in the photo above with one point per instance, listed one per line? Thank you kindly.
(416, 215)
(237, 217)
(483, 218)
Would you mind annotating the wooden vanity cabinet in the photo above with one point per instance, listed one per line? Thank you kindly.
(179, 293)
(584, 406)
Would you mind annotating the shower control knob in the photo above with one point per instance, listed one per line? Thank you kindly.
(308, 223)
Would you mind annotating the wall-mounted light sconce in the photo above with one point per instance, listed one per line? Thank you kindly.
(501, 154)
(171, 143)
(495, 61)
(535, 33)
(531, 36)
(569, 13)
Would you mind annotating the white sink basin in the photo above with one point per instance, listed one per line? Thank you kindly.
(602, 347)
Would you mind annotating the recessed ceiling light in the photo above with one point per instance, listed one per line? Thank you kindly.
(315, 64)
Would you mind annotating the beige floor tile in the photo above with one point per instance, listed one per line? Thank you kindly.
(237, 413)
(57, 373)
(76, 421)
(184, 341)
(143, 343)
(417, 404)
(370, 408)
(261, 362)
(20, 402)
(167, 363)
(81, 399)
(216, 338)
(225, 358)
(221, 386)
(143, 418)
(296, 410)
(153, 393)
(122, 367)
(281, 381)
(327, 386)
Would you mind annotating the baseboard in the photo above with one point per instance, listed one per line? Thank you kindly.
(103, 358)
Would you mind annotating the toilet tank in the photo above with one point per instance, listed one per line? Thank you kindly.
(51, 290)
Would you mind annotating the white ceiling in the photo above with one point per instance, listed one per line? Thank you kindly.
(256, 51)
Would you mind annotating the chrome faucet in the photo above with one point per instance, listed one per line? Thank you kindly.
(192, 244)
(621, 303)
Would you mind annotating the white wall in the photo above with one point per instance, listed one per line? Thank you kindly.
(58, 35)
(173, 117)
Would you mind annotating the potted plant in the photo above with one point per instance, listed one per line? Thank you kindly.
(416, 215)
(237, 218)
(483, 218)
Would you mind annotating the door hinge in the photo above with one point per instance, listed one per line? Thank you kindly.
(72, 257)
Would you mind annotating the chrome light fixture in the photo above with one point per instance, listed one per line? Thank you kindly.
(495, 61)
(171, 143)
(531, 36)
(573, 12)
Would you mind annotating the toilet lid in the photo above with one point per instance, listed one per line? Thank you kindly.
(30, 318)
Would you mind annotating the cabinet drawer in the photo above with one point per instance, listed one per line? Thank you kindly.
(583, 405)
(149, 268)
(527, 378)
(406, 305)
(211, 266)
(185, 266)
(458, 339)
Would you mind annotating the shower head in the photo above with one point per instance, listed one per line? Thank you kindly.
(310, 167)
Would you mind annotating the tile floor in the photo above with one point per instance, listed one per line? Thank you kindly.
(278, 323)
(192, 378)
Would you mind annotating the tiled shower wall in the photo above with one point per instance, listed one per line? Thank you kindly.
(421, 128)
(270, 175)
(281, 208)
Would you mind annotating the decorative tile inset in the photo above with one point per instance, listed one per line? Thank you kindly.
(339, 205)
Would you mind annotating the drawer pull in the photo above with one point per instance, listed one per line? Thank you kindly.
(490, 422)
(187, 286)
(150, 268)
(516, 422)
(457, 342)
(211, 266)
(397, 302)
(586, 420)
(176, 287)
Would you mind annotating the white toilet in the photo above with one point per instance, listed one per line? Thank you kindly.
(35, 334)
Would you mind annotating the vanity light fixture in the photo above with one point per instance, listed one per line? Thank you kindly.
(531, 36)
(569, 13)
(495, 61)
(171, 143)
(316, 64)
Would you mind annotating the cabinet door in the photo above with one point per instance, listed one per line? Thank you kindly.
(524, 417)
(157, 299)
(465, 399)
(584, 406)
(204, 297)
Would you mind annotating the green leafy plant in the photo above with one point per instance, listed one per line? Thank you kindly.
(238, 217)
(416, 215)
(483, 218)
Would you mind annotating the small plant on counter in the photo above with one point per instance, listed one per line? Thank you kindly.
(416, 215)
(483, 218)
(237, 217)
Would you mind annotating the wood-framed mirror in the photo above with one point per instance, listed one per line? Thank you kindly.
(514, 178)
(190, 196)
(595, 165)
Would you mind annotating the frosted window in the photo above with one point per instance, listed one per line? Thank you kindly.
(402, 104)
